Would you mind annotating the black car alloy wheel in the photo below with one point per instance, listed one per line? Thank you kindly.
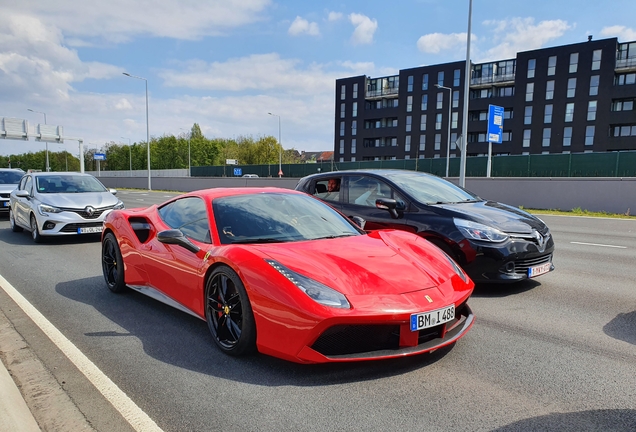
(228, 312)
(112, 264)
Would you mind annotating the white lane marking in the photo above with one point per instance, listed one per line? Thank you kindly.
(601, 245)
(138, 419)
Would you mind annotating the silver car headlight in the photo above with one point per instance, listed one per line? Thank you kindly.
(315, 290)
(119, 205)
(477, 231)
(45, 209)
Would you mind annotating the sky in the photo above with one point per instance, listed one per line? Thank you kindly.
(226, 64)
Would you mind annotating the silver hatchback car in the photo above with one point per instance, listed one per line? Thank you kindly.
(9, 179)
(58, 204)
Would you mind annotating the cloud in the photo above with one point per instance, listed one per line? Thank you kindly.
(436, 42)
(257, 72)
(522, 34)
(335, 16)
(623, 33)
(365, 27)
(301, 25)
(121, 20)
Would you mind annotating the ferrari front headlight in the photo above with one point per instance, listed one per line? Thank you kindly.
(315, 290)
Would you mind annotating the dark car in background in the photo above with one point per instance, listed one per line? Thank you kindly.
(493, 242)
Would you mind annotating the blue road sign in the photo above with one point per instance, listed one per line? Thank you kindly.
(99, 156)
(238, 171)
(495, 123)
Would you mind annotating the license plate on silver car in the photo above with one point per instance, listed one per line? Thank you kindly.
(431, 319)
(90, 230)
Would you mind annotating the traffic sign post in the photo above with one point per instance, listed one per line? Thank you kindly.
(495, 131)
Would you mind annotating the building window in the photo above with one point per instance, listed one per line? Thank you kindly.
(355, 90)
(547, 116)
(549, 90)
(456, 75)
(594, 80)
(423, 122)
(425, 82)
(591, 110)
(393, 142)
(342, 128)
(353, 146)
(526, 137)
(527, 115)
(589, 135)
(422, 142)
(354, 110)
(505, 91)
(625, 79)
(571, 87)
(574, 62)
(354, 127)
(596, 59)
(569, 112)
(343, 92)
(532, 65)
(438, 121)
(407, 144)
(342, 110)
(438, 141)
(529, 91)
(453, 142)
(409, 83)
(424, 106)
(623, 105)
(341, 146)
(547, 132)
(455, 99)
(440, 78)
(567, 136)
(409, 119)
(508, 113)
(551, 65)
(624, 130)
(455, 117)
(409, 103)
(440, 100)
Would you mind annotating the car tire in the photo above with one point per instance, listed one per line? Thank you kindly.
(35, 232)
(14, 226)
(228, 312)
(113, 264)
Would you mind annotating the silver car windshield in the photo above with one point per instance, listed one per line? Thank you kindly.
(68, 183)
(10, 177)
(429, 189)
(277, 217)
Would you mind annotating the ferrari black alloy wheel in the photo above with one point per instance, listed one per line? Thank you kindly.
(112, 264)
(229, 313)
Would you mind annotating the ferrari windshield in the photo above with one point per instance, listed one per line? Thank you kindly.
(277, 217)
(430, 189)
(68, 183)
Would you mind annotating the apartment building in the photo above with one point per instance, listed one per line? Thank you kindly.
(567, 99)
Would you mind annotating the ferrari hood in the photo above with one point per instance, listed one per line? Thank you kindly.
(503, 217)
(382, 262)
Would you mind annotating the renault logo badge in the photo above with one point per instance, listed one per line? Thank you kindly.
(90, 211)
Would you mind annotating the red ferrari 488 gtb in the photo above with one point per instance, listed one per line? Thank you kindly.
(280, 272)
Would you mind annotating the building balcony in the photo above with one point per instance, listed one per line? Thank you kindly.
(492, 80)
(626, 65)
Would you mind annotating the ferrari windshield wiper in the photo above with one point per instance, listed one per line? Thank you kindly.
(336, 236)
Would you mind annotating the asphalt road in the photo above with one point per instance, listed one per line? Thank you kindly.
(555, 353)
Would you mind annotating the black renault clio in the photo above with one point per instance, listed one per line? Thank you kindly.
(493, 242)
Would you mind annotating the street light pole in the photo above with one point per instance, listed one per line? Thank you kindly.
(129, 154)
(147, 126)
(450, 100)
(464, 149)
(48, 168)
(189, 163)
(280, 151)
